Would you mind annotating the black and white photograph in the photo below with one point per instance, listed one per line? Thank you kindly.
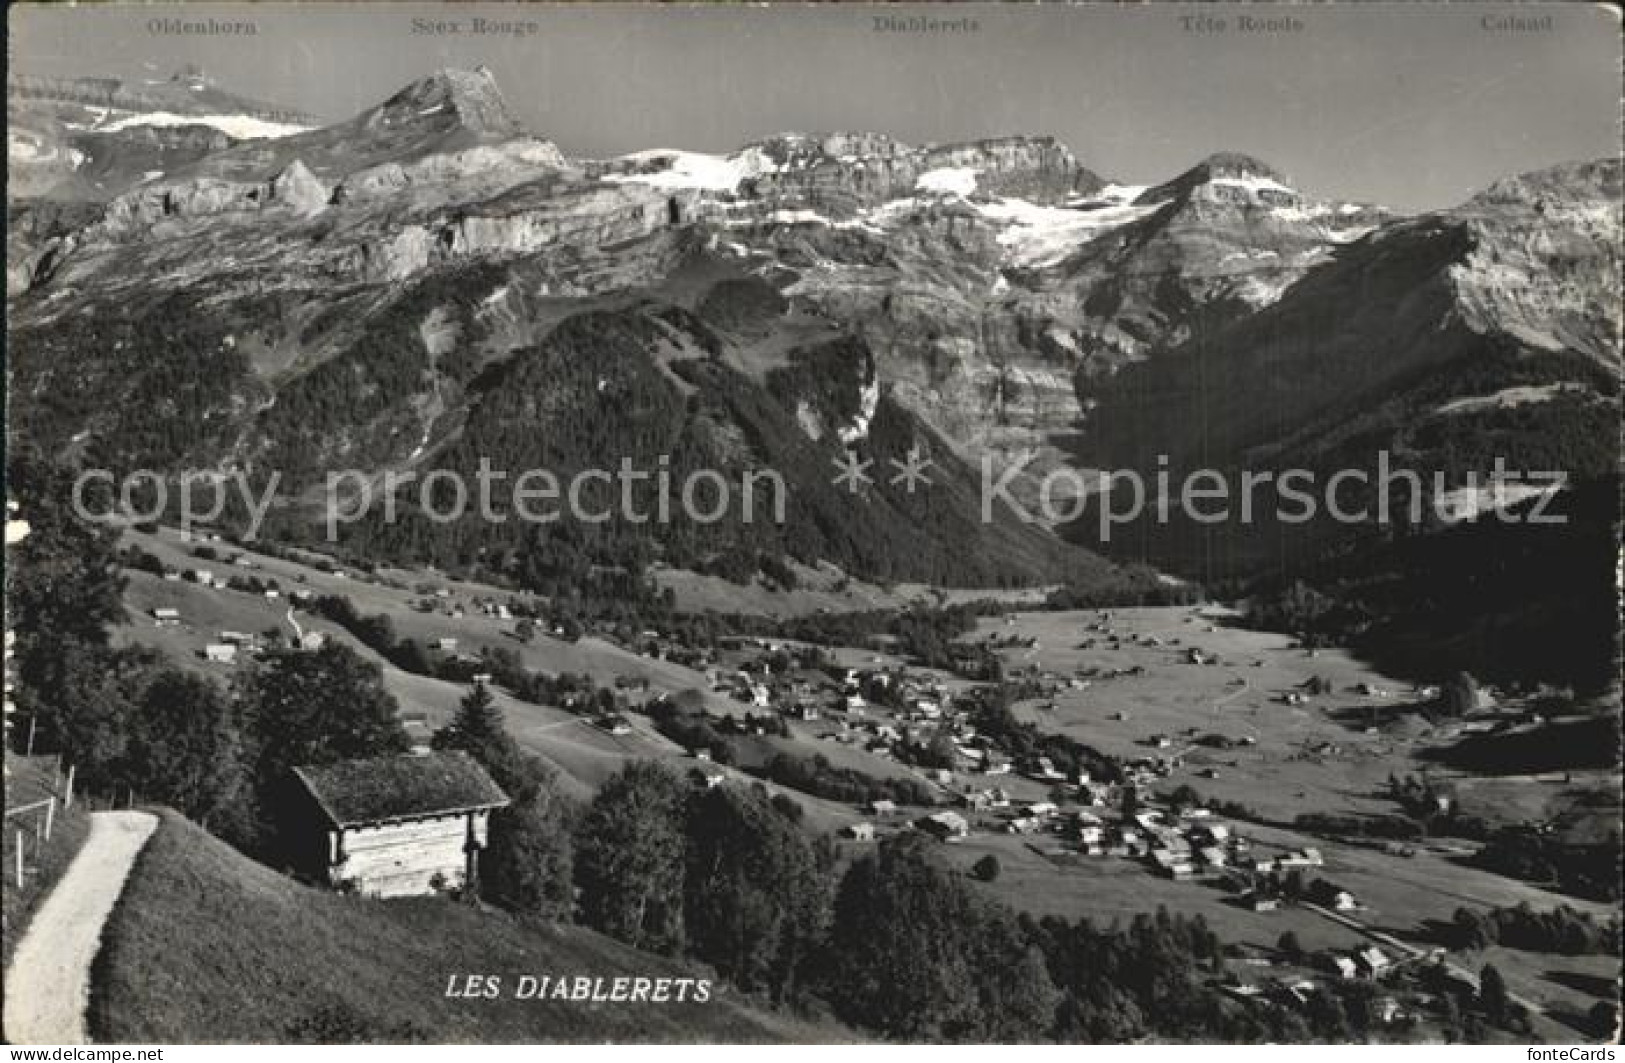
(786, 524)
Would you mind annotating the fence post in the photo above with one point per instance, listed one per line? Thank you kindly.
(20, 837)
(67, 792)
(50, 813)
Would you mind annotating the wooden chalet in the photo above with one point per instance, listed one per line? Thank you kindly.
(396, 826)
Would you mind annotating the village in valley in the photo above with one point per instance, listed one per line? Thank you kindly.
(1092, 763)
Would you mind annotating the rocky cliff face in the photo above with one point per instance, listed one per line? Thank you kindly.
(482, 170)
(132, 215)
(186, 92)
(422, 130)
(994, 277)
(847, 174)
(1545, 259)
(1448, 340)
(468, 98)
(578, 221)
(93, 138)
(1000, 294)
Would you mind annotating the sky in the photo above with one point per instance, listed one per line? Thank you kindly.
(1414, 106)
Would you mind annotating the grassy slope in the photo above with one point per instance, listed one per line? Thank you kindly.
(582, 754)
(208, 946)
(29, 780)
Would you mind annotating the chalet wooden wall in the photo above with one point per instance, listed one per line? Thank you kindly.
(402, 859)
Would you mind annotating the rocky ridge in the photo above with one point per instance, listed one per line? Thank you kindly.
(999, 291)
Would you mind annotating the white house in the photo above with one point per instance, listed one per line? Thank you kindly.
(1371, 962)
(1342, 966)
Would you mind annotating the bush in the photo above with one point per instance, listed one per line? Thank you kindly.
(789, 808)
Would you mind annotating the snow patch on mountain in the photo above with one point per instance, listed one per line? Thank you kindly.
(236, 126)
(24, 147)
(1254, 184)
(1261, 289)
(948, 180)
(1331, 219)
(1116, 193)
(1467, 503)
(669, 168)
(798, 217)
(1040, 236)
(868, 403)
(664, 168)
(809, 217)
(1514, 396)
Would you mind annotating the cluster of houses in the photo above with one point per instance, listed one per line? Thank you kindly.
(1266, 884)
(943, 826)
(875, 708)
(659, 646)
(1296, 993)
(205, 577)
(1177, 846)
(230, 644)
(441, 601)
(1184, 845)
(768, 673)
(227, 645)
(1369, 962)
(225, 651)
(438, 600)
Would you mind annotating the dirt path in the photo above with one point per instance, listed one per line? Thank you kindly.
(48, 985)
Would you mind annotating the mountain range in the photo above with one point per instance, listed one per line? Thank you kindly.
(197, 280)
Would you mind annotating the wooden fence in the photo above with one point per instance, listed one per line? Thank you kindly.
(30, 820)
